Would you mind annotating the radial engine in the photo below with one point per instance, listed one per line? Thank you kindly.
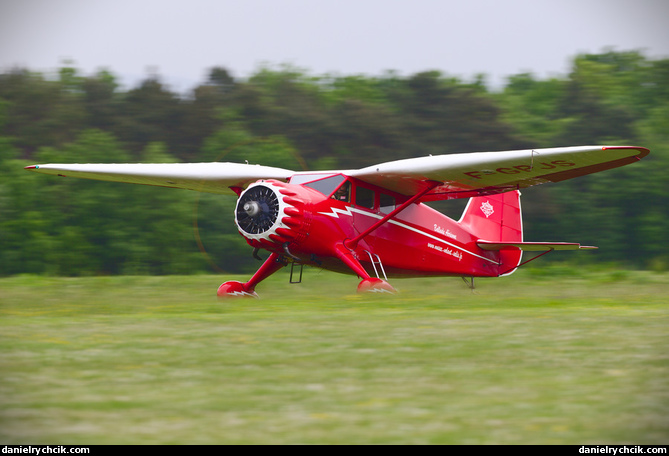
(273, 215)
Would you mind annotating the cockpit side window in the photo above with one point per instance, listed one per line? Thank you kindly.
(343, 193)
(328, 185)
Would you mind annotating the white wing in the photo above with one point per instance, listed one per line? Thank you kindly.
(459, 175)
(480, 173)
(203, 177)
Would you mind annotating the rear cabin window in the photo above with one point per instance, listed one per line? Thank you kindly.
(386, 203)
(364, 197)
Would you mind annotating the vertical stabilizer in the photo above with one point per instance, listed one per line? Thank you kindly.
(496, 218)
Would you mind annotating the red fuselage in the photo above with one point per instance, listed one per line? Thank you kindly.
(318, 219)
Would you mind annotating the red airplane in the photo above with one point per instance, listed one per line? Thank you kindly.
(372, 222)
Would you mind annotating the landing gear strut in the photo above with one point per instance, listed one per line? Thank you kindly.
(369, 284)
(235, 289)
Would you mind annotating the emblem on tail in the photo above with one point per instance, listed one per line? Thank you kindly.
(487, 209)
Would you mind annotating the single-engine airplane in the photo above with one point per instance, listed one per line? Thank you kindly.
(372, 222)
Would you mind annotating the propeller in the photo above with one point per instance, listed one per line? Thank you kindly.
(257, 210)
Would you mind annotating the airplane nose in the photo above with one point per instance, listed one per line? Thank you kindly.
(270, 213)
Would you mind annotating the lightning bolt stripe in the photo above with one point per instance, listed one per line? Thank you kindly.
(346, 211)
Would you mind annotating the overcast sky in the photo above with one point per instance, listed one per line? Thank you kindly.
(181, 39)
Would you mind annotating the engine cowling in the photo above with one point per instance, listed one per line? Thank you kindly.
(270, 213)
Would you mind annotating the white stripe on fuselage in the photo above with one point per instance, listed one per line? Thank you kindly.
(348, 210)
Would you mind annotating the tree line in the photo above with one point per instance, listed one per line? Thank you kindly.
(288, 118)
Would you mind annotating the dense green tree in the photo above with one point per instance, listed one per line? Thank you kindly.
(444, 117)
(221, 79)
(366, 133)
(150, 113)
(288, 104)
(39, 112)
(101, 100)
(530, 105)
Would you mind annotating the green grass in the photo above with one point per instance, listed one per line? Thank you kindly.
(565, 358)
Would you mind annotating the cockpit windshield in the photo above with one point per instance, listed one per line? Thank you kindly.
(328, 185)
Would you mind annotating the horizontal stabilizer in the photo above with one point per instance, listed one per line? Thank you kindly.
(532, 246)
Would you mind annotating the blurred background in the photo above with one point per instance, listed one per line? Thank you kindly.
(317, 85)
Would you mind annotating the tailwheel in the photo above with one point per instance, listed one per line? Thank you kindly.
(374, 285)
(234, 289)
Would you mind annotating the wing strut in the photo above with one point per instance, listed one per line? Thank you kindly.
(352, 243)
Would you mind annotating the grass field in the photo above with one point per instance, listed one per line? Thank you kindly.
(544, 356)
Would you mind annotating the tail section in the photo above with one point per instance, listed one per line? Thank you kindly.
(497, 218)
